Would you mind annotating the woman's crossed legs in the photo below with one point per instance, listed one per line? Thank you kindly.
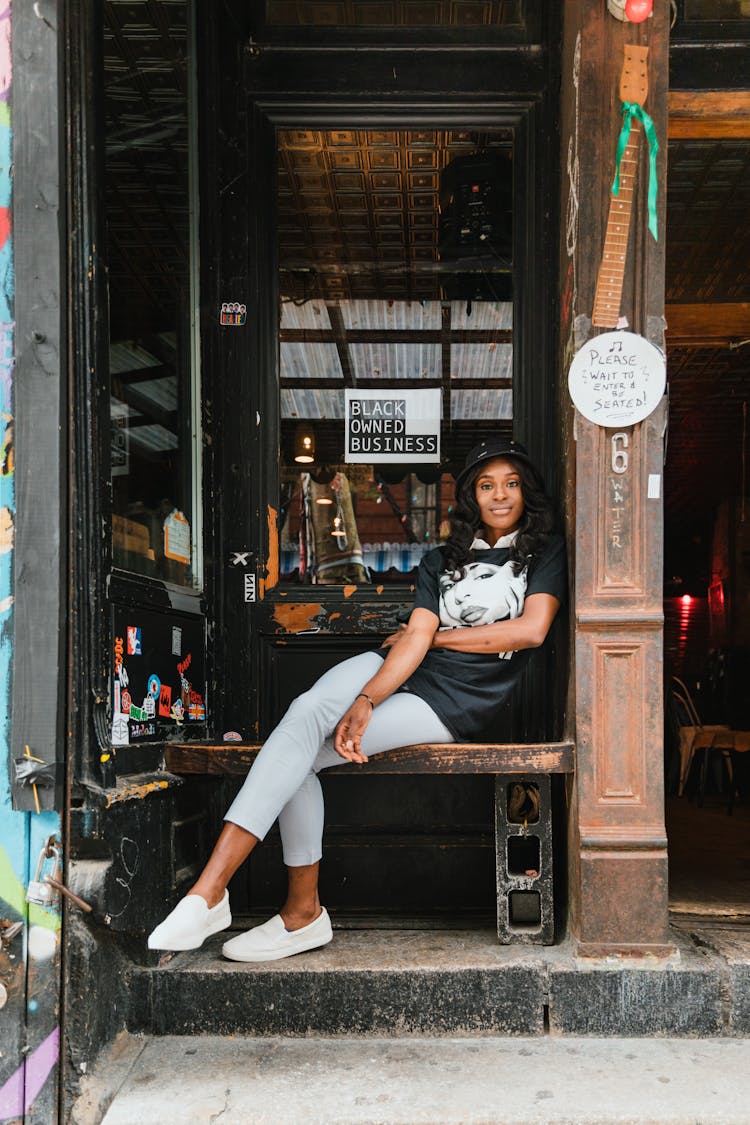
(283, 781)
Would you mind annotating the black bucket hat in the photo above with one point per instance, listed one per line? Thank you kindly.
(489, 450)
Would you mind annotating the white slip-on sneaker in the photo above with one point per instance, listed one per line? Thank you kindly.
(272, 940)
(190, 923)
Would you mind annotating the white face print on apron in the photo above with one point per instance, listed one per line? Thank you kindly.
(486, 593)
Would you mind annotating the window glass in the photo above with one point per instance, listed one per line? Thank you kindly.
(396, 297)
(151, 271)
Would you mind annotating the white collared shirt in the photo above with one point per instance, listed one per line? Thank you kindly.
(504, 541)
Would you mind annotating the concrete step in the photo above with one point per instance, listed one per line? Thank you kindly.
(446, 983)
(404, 1081)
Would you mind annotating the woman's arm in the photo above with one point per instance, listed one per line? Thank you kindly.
(527, 631)
(405, 655)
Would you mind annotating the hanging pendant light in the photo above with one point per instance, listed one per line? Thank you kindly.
(338, 527)
(323, 476)
(304, 444)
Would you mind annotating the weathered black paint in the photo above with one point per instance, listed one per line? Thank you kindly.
(437, 987)
(678, 999)
(40, 403)
(88, 419)
(508, 1001)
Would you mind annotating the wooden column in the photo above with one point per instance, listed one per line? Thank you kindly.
(618, 847)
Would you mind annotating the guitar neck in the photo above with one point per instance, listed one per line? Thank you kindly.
(609, 282)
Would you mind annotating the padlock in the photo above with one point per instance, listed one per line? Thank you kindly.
(39, 891)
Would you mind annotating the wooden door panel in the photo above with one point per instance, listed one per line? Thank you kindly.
(400, 877)
(290, 664)
(410, 846)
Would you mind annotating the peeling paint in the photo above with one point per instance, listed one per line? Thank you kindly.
(371, 614)
(134, 792)
(7, 456)
(298, 617)
(379, 589)
(6, 530)
(349, 590)
(271, 577)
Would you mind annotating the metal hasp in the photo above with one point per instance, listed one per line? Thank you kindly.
(617, 839)
(523, 860)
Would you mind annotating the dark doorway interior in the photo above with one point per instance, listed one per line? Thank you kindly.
(707, 557)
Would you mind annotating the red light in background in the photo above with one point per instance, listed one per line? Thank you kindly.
(686, 599)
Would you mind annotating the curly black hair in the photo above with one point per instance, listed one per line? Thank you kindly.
(535, 527)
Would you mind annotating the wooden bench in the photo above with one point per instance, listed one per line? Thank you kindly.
(523, 846)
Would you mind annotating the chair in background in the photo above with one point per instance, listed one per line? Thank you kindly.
(695, 737)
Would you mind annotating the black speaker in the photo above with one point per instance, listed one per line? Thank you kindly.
(476, 202)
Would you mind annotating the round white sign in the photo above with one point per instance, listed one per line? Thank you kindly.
(617, 379)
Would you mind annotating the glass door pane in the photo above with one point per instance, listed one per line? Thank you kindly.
(395, 259)
(151, 215)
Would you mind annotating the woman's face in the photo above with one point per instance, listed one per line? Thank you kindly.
(498, 493)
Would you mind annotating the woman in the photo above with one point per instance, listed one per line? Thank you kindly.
(483, 601)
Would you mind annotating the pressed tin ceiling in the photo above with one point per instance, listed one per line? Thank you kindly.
(708, 233)
(359, 208)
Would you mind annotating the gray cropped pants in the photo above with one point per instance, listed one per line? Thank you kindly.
(283, 779)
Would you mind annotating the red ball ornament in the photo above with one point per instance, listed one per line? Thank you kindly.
(638, 10)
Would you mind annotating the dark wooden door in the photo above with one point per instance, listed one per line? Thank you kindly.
(356, 279)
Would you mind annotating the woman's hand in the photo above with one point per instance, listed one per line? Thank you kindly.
(407, 651)
(349, 730)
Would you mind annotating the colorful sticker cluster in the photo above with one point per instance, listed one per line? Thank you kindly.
(130, 719)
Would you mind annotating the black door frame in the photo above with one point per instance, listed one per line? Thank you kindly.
(242, 99)
(247, 670)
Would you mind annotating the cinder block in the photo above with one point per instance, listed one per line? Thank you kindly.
(523, 860)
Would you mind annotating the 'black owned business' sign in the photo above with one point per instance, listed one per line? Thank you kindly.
(391, 425)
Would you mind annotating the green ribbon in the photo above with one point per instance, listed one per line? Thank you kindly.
(629, 111)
